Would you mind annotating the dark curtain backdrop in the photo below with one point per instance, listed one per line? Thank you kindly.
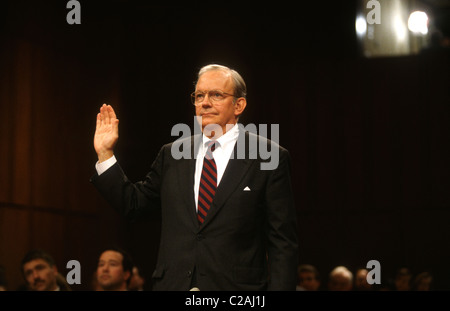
(368, 137)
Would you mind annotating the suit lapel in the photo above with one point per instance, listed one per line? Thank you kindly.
(234, 172)
(186, 174)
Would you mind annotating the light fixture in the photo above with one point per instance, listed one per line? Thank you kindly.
(418, 22)
(361, 26)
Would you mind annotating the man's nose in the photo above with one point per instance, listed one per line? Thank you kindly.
(206, 101)
(35, 275)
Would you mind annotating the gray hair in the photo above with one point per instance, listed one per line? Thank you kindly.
(342, 270)
(240, 89)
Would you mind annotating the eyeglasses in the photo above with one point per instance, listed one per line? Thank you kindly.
(214, 96)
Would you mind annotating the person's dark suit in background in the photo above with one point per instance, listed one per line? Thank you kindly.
(248, 239)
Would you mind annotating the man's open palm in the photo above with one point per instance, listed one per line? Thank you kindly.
(106, 133)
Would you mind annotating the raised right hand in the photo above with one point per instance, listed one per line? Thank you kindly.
(106, 133)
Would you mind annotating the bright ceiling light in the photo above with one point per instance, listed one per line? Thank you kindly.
(361, 26)
(418, 22)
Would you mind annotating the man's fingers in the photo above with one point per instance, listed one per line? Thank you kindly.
(107, 116)
(102, 113)
(112, 114)
(99, 120)
(116, 125)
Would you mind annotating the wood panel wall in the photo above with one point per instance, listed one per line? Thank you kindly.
(369, 138)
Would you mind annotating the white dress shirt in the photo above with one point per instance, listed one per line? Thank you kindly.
(102, 167)
(221, 155)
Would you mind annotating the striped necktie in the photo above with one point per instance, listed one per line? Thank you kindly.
(208, 182)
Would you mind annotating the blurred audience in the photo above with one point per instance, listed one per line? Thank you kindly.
(40, 272)
(361, 283)
(117, 272)
(308, 278)
(114, 270)
(402, 279)
(137, 280)
(422, 282)
(340, 279)
(62, 282)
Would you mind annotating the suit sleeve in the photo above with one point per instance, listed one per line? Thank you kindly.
(131, 199)
(282, 236)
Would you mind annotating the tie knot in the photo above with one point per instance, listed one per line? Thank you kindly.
(211, 145)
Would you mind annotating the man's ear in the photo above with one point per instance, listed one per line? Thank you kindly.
(239, 106)
(127, 275)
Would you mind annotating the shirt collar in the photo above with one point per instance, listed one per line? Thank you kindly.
(229, 137)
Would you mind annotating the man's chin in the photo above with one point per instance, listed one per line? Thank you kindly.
(40, 287)
(209, 125)
(109, 286)
(212, 130)
(208, 120)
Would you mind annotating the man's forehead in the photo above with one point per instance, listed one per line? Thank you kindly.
(35, 262)
(215, 78)
(111, 255)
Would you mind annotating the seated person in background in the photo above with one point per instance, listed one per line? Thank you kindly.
(62, 282)
(422, 282)
(308, 278)
(137, 280)
(40, 272)
(114, 270)
(340, 279)
(402, 280)
(361, 283)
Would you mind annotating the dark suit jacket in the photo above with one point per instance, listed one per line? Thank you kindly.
(248, 240)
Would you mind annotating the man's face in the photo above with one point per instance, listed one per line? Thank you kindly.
(402, 283)
(340, 282)
(39, 275)
(308, 281)
(361, 280)
(110, 273)
(136, 280)
(221, 112)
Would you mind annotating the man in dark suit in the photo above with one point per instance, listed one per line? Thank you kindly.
(227, 224)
